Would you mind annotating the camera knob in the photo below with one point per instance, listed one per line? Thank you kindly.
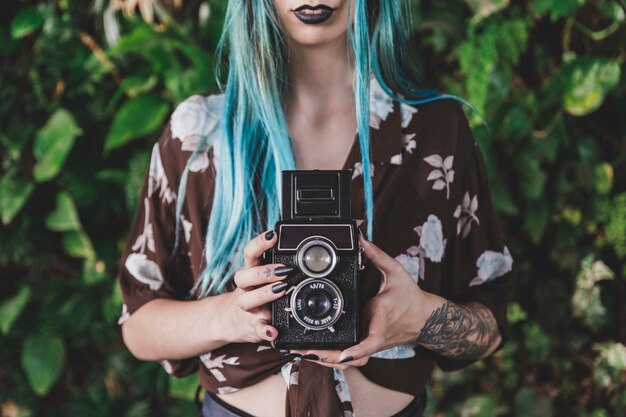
(360, 259)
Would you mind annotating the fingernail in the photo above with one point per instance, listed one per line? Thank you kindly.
(361, 232)
(269, 235)
(282, 271)
(297, 355)
(311, 356)
(268, 333)
(346, 359)
(278, 287)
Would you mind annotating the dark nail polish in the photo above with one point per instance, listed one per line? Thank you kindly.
(282, 271)
(297, 355)
(269, 235)
(361, 232)
(311, 357)
(278, 287)
(268, 333)
(346, 359)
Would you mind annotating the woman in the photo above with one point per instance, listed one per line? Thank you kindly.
(303, 78)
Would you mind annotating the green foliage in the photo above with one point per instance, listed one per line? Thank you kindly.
(43, 358)
(589, 79)
(78, 118)
(11, 309)
(136, 118)
(53, 144)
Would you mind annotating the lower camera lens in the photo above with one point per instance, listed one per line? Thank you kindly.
(318, 303)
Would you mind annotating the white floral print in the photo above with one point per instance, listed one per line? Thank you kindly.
(396, 159)
(167, 365)
(146, 239)
(341, 386)
(431, 238)
(466, 214)
(358, 170)
(186, 227)
(403, 351)
(124, 316)
(381, 104)
(157, 180)
(407, 114)
(492, 265)
(212, 364)
(443, 174)
(227, 390)
(409, 142)
(196, 121)
(413, 262)
(144, 270)
(289, 377)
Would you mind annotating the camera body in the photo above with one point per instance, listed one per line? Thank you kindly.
(318, 238)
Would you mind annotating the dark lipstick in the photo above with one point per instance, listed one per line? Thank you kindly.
(313, 15)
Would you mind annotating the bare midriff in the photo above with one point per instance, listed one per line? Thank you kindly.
(267, 397)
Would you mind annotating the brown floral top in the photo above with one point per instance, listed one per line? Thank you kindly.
(433, 214)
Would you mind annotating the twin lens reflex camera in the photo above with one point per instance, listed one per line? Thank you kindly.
(318, 238)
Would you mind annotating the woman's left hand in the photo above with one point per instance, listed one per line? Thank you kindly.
(394, 316)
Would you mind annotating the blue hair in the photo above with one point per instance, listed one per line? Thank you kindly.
(256, 147)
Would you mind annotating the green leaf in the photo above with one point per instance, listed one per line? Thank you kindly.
(557, 8)
(27, 21)
(11, 309)
(603, 178)
(15, 191)
(528, 404)
(502, 200)
(137, 117)
(77, 244)
(53, 144)
(533, 177)
(515, 313)
(134, 85)
(616, 228)
(589, 80)
(64, 217)
(184, 388)
(43, 358)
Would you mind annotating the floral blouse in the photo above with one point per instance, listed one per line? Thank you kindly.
(433, 213)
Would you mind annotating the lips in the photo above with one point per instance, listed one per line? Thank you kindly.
(313, 15)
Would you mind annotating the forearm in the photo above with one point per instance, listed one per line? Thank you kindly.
(172, 329)
(459, 331)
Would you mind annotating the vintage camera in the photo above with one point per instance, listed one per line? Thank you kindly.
(318, 238)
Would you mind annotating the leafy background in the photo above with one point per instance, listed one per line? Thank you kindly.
(85, 88)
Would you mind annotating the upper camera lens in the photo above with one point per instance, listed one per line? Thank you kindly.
(317, 258)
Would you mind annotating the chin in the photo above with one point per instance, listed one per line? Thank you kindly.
(312, 37)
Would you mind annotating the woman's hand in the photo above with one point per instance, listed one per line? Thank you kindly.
(248, 311)
(394, 316)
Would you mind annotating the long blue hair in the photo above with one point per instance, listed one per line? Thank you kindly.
(256, 147)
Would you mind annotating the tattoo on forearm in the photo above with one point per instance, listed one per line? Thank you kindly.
(460, 331)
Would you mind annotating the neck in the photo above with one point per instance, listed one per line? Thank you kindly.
(320, 76)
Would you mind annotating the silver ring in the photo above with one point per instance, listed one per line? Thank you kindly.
(316, 241)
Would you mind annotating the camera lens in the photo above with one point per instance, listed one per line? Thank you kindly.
(318, 304)
(317, 258)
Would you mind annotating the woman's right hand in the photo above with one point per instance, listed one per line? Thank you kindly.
(257, 285)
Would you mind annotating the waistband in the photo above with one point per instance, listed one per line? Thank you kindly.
(213, 406)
